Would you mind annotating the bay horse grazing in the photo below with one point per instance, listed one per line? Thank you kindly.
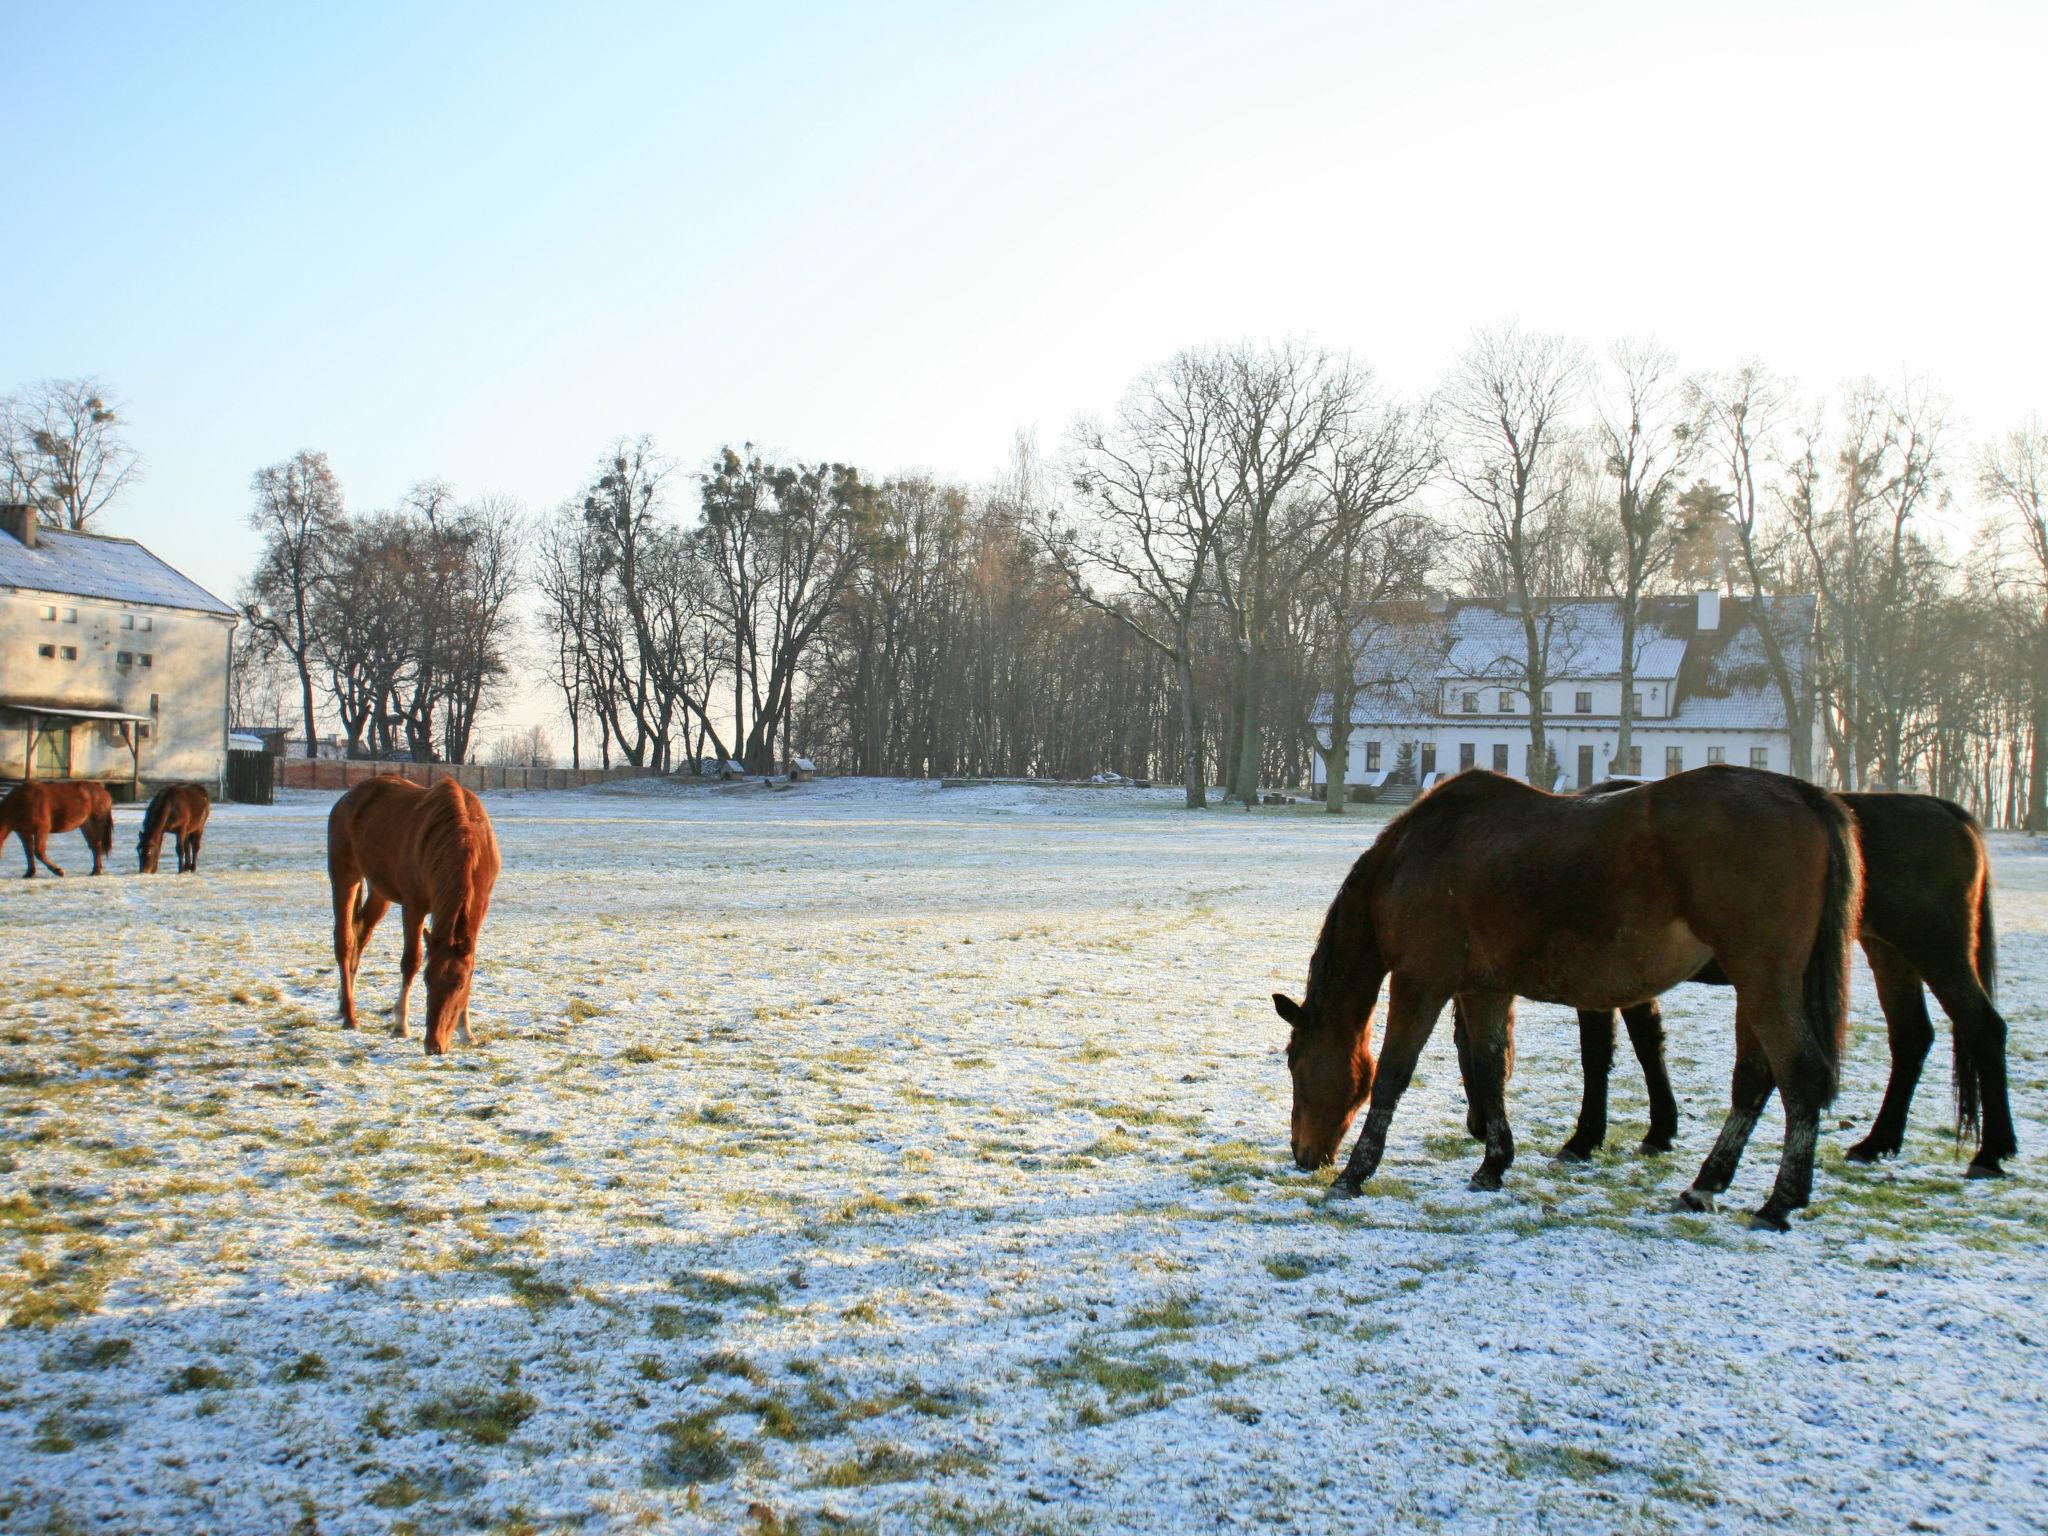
(1926, 919)
(1487, 889)
(431, 851)
(181, 811)
(38, 808)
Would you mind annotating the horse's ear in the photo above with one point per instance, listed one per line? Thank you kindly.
(1288, 1009)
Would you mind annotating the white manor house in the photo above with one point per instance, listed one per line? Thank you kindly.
(1441, 689)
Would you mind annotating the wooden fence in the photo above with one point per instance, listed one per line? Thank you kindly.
(343, 773)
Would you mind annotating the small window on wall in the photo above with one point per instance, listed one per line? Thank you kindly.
(1716, 755)
(70, 653)
(1547, 705)
(1507, 702)
(70, 615)
(154, 705)
(50, 612)
(1471, 703)
(1582, 703)
(1759, 757)
(145, 623)
(1372, 757)
(122, 658)
(1468, 753)
(127, 621)
(144, 658)
(1635, 703)
(47, 651)
(1500, 757)
(1674, 760)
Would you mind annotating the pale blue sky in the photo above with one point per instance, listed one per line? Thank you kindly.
(479, 242)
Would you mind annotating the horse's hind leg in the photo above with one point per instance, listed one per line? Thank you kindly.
(42, 852)
(1645, 1024)
(1489, 1025)
(1748, 1092)
(28, 851)
(1411, 1015)
(1596, 1060)
(408, 966)
(1980, 1049)
(1911, 1034)
(1475, 1123)
(346, 951)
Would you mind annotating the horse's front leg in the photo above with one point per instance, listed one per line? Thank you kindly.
(1645, 1024)
(1411, 1014)
(1490, 1031)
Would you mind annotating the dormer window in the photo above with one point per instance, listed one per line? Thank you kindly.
(1582, 703)
(1471, 703)
(1507, 702)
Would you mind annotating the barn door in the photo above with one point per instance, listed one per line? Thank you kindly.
(53, 755)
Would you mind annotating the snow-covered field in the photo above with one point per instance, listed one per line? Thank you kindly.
(891, 1157)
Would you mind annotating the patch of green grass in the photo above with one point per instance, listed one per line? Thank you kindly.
(581, 1009)
(713, 1286)
(93, 1354)
(877, 1464)
(199, 1377)
(485, 1418)
(308, 1367)
(528, 1289)
(399, 1492)
(640, 1055)
(1230, 1163)
(725, 1362)
(1293, 1266)
(1175, 1313)
(667, 1322)
(1582, 1464)
(693, 1450)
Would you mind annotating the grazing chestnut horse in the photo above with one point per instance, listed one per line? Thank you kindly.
(432, 852)
(35, 809)
(1926, 919)
(181, 810)
(1487, 889)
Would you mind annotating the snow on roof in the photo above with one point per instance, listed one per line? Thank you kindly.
(90, 565)
(1721, 677)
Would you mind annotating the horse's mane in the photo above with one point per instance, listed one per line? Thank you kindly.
(1347, 950)
(159, 808)
(455, 839)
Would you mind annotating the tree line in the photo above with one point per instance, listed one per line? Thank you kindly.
(1180, 590)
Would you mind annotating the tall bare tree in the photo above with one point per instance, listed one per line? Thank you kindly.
(2012, 475)
(1648, 437)
(62, 447)
(1152, 497)
(1747, 414)
(1504, 410)
(299, 514)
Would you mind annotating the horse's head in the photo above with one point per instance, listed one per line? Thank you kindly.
(1329, 1056)
(451, 961)
(146, 855)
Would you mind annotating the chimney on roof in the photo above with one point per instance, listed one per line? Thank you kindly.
(1709, 615)
(19, 519)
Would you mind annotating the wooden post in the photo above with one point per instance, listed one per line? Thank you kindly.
(133, 734)
(28, 770)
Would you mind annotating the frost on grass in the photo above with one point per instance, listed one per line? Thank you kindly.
(882, 1157)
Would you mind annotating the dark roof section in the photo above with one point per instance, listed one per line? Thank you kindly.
(110, 570)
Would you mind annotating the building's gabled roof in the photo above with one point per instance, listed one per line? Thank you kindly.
(111, 570)
(1720, 677)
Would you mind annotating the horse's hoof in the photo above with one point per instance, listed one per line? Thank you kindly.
(1764, 1219)
(1695, 1200)
(1486, 1180)
(1572, 1152)
(1653, 1144)
(1342, 1189)
(1983, 1171)
(1868, 1151)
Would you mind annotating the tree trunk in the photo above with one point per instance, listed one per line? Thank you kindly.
(1191, 732)
(2037, 768)
(1627, 712)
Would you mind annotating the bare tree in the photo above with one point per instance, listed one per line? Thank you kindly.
(299, 513)
(1504, 411)
(2012, 474)
(62, 448)
(1366, 548)
(1649, 436)
(1280, 407)
(1151, 499)
(1746, 414)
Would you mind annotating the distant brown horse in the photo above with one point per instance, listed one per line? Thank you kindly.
(432, 852)
(1487, 889)
(39, 807)
(180, 810)
(1926, 918)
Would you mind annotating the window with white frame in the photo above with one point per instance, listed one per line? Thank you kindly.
(1759, 757)
(1372, 757)
(1674, 760)
(1507, 702)
(47, 652)
(1582, 703)
(1717, 755)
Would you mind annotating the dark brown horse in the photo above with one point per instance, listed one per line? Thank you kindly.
(1487, 889)
(38, 808)
(181, 811)
(1926, 919)
(431, 851)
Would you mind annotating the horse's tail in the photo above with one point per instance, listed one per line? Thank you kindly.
(1817, 1068)
(1969, 1087)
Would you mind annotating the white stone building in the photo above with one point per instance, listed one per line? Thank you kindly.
(1441, 689)
(113, 666)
